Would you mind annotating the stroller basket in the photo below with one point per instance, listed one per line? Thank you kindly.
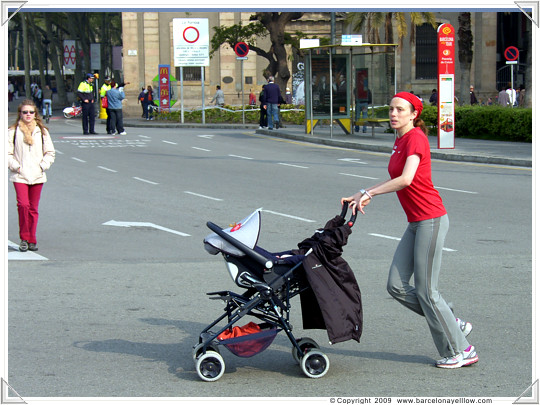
(250, 344)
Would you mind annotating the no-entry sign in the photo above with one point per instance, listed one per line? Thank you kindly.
(511, 53)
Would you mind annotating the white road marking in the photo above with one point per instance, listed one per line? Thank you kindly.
(378, 235)
(458, 191)
(241, 157)
(145, 181)
(203, 196)
(204, 150)
(15, 254)
(144, 224)
(88, 137)
(78, 160)
(169, 142)
(288, 216)
(353, 160)
(290, 165)
(206, 136)
(144, 136)
(107, 169)
(356, 175)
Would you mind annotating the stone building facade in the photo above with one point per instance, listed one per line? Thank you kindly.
(148, 42)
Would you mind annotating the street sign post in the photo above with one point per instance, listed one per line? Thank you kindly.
(191, 43)
(242, 49)
(512, 55)
(446, 62)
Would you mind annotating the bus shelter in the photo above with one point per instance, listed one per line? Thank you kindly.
(344, 82)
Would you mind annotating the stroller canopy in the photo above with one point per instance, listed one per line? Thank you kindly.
(246, 231)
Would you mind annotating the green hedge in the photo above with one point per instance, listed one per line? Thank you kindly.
(216, 115)
(478, 122)
(482, 122)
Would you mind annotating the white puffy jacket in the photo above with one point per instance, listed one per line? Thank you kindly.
(28, 163)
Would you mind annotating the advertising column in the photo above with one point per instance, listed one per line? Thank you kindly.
(446, 80)
(164, 87)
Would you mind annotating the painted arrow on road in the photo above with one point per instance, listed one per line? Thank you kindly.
(143, 224)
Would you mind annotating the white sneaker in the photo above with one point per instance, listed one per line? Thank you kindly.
(466, 358)
(122, 133)
(466, 327)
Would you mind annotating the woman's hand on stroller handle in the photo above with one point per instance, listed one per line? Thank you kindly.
(345, 207)
(358, 201)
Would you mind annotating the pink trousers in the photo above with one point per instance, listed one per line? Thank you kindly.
(27, 203)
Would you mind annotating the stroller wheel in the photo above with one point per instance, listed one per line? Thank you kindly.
(197, 350)
(305, 344)
(210, 366)
(315, 364)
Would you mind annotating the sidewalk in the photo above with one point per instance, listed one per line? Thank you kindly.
(466, 150)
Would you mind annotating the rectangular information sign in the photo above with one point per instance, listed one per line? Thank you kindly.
(446, 103)
(191, 42)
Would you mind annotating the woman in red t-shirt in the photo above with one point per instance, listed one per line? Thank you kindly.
(418, 255)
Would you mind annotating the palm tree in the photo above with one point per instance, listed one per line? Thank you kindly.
(374, 22)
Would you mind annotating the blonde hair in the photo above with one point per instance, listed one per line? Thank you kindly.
(37, 118)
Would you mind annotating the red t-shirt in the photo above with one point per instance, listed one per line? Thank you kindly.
(419, 200)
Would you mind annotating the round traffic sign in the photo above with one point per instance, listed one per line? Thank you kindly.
(191, 34)
(511, 53)
(241, 49)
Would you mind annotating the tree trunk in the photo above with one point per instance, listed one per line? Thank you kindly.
(465, 53)
(56, 45)
(26, 57)
(528, 70)
(276, 23)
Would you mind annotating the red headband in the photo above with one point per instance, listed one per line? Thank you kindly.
(414, 100)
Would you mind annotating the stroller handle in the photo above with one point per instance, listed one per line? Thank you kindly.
(352, 220)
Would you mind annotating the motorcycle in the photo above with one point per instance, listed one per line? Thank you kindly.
(72, 112)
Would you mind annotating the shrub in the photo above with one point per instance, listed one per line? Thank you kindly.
(478, 122)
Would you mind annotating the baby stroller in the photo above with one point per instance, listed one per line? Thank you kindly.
(328, 291)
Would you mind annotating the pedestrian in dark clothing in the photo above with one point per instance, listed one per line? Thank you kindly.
(473, 96)
(272, 96)
(434, 97)
(85, 92)
(263, 120)
(141, 100)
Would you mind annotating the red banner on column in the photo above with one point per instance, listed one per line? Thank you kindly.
(446, 62)
(164, 87)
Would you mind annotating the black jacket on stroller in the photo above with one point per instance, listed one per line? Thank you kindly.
(334, 302)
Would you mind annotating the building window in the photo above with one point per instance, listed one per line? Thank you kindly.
(191, 74)
(426, 52)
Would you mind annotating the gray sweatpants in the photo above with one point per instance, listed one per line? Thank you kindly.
(419, 254)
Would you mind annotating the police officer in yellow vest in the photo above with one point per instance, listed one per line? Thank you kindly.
(86, 94)
(102, 93)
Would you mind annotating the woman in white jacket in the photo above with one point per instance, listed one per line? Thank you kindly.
(30, 153)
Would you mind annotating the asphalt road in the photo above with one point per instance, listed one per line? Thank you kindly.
(113, 301)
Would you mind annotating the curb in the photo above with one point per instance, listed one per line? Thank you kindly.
(456, 157)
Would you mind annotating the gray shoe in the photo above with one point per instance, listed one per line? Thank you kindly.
(23, 246)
